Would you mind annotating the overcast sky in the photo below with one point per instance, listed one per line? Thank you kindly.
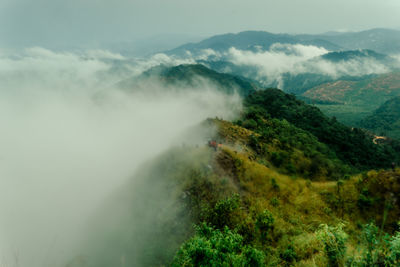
(74, 22)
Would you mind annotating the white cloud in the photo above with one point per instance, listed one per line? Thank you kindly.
(271, 65)
(104, 54)
(69, 139)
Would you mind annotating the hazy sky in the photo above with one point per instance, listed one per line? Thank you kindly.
(51, 22)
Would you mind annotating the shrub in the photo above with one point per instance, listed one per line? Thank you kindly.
(333, 240)
(378, 249)
(265, 222)
(393, 258)
(274, 184)
(274, 202)
(365, 200)
(213, 247)
(223, 213)
(289, 255)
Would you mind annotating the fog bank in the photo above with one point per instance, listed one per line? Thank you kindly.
(69, 138)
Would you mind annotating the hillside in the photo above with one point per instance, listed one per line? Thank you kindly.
(194, 75)
(283, 181)
(313, 60)
(385, 120)
(352, 66)
(247, 210)
(351, 145)
(354, 55)
(300, 83)
(371, 91)
(356, 99)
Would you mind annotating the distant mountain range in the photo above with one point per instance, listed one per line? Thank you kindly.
(347, 56)
(349, 65)
(250, 40)
(347, 75)
(380, 40)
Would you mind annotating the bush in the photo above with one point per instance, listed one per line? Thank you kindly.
(265, 222)
(275, 185)
(223, 213)
(334, 242)
(378, 249)
(289, 255)
(393, 258)
(212, 247)
(365, 200)
(274, 202)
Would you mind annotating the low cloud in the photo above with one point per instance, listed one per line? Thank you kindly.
(69, 138)
(270, 66)
(278, 60)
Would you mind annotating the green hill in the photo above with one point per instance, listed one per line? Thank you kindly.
(287, 186)
(357, 99)
(192, 75)
(250, 208)
(385, 120)
(351, 145)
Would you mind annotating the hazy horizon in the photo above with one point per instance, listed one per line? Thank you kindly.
(90, 23)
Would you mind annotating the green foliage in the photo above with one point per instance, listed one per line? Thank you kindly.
(334, 241)
(274, 202)
(287, 146)
(355, 99)
(378, 249)
(350, 145)
(211, 247)
(385, 120)
(223, 213)
(194, 74)
(289, 255)
(265, 223)
(275, 185)
(393, 258)
(365, 200)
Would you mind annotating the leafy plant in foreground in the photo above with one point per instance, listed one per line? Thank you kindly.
(213, 247)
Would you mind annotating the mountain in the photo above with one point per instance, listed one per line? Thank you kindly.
(272, 194)
(193, 75)
(385, 120)
(249, 40)
(384, 41)
(261, 63)
(341, 65)
(380, 40)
